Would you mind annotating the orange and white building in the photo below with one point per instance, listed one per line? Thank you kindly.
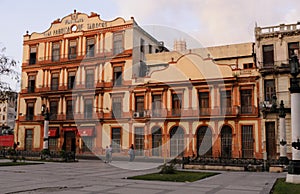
(111, 83)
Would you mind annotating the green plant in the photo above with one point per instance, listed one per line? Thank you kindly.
(167, 168)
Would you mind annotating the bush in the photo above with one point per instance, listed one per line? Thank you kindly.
(167, 168)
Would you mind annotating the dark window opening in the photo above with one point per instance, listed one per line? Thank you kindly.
(53, 110)
(116, 140)
(88, 109)
(117, 107)
(72, 49)
(32, 57)
(268, 55)
(270, 90)
(54, 81)
(31, 84)
(56, 51)
(90, 47)
(89, 78)
(69, 111)
(204, 107)
(246, 101)
(71, 80)
(117, 76)
(30, 111)
(176, 104)
(118, 43)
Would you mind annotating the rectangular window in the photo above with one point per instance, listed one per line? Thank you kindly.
(90, 47)
(176, 104)
(88, 108)
(30, 111)
(116, 140)
(248, 65)
(118, 43)
(142, 46)
(270, 89)
(139, 106)
(28, 139)
(53, 110)
(204, 107)
(55, 51)
(117, 107)
(32, 57)
(150, 48)
(226, 102)
(139, 141)
(117, 76)
(268, 55)
(71, 79)
(53, 144)
(293, 49)
(54, 81)
(247, 141)
(69, 112)
(246, 101)
(31, 84)
(90, 78)
(156, 105)
(72, 49)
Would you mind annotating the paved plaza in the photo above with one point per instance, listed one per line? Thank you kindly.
(94, 176)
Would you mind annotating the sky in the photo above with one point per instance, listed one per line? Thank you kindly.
(210, 22)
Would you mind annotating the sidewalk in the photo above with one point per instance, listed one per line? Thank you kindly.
(94, 176)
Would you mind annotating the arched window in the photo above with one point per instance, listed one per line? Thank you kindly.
(156, 141)
(226, 142)
(177, 141)
(204, 142)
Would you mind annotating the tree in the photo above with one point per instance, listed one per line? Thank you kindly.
(8, 71)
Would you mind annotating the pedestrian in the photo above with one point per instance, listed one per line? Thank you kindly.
(110, 153)
(107, 154)
(131, 153)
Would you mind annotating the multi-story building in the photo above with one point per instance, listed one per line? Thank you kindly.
(274, 46)
(79, 69)
(107, 82)
(8, 111)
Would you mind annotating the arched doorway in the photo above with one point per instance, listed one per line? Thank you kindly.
(204, 142)
(226, 142)
(176, 141)
(156, 141)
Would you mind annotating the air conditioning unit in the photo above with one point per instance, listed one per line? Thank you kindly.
(136, 114)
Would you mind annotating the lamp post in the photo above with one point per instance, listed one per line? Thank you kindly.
(283, 158)
(45, 113)
(293, 175)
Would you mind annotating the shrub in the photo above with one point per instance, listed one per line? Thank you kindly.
(167, 168)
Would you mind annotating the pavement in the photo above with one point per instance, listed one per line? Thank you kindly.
(95, 176)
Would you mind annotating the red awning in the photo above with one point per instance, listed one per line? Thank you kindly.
(86, 131)
(69, 128)
(53, 132)
(7, 140)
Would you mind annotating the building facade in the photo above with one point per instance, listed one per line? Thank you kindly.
(8, 111)
(274, 46)
(111, 83)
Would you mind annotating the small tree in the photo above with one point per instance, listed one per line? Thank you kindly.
(8, 68)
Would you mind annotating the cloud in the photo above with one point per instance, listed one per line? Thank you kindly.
(213, 22)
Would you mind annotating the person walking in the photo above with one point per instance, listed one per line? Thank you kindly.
(107, 155)
(131, 153)
(110, 153)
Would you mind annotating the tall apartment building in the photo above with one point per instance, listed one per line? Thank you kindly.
(274, 46)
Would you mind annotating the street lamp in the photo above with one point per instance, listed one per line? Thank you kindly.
(293, 175)
(45, 113)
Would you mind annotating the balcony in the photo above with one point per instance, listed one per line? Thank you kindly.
(204, 111)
